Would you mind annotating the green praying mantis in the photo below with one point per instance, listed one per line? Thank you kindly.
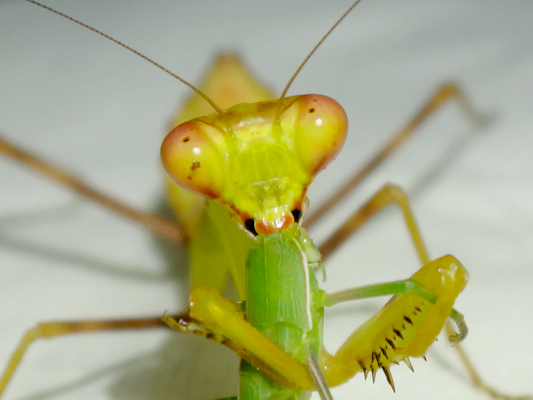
(399, 275)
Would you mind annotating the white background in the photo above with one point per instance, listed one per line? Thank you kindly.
(101, 112)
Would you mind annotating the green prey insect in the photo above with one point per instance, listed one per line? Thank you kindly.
(287, 234)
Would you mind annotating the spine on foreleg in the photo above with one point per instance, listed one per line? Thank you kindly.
(405, 327)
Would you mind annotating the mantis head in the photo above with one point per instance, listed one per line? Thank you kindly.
(257, 163)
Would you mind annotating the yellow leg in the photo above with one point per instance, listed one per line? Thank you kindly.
(226, 324)
(405, 327)
(391, 194)
(49, 330)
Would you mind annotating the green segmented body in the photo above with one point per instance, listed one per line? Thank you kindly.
(292, 318)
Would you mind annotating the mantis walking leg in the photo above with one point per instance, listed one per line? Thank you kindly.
(49, 330)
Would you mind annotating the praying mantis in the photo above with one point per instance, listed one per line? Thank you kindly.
(366, 250)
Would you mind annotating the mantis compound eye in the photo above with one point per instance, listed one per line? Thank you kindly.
(319, 131)
(193, 160)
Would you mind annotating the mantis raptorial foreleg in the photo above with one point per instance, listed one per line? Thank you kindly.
(405, 327)
(412, 319)
(225, 324)
(387, 195)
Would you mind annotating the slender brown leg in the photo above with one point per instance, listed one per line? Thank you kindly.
(445, 93)
(48, 330)
(160, 226)
(387, 195)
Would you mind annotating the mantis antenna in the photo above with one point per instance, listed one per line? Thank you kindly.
(209, 100)
(277, 122)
